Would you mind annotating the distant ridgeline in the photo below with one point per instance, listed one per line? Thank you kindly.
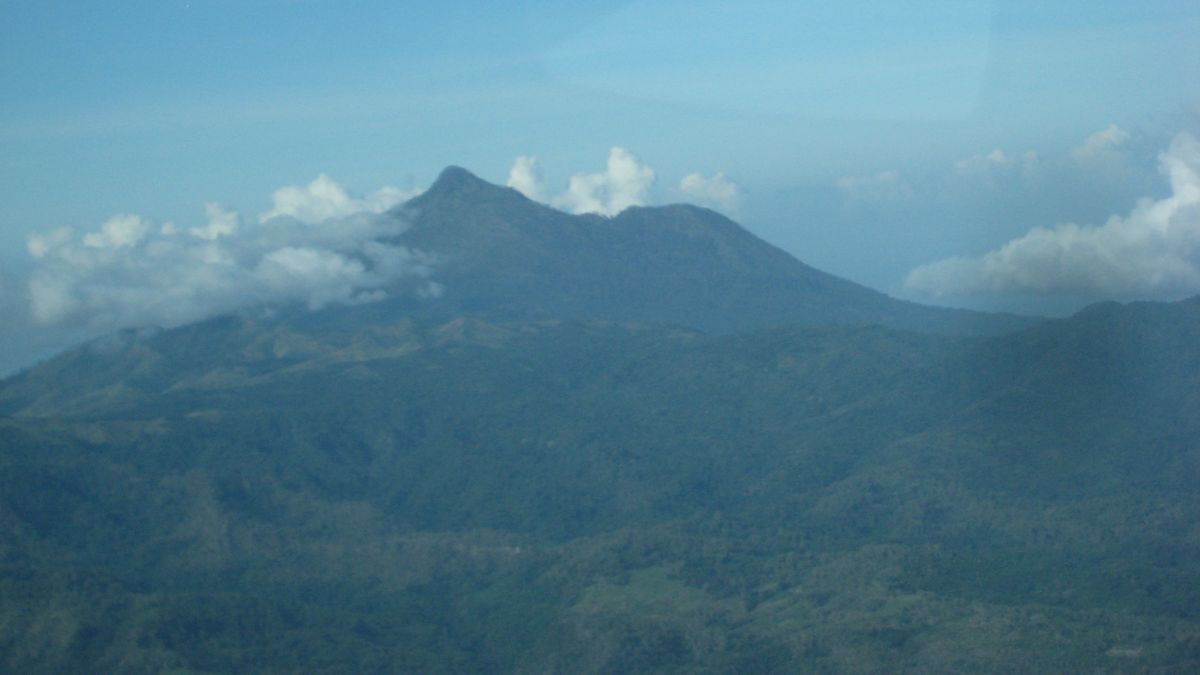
(650, 442)
(505, 257)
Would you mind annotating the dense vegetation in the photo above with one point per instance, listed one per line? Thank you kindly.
(250, 495)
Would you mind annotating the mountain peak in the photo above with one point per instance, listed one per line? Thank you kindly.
(456, 188)
(457, 180)
(510, 257)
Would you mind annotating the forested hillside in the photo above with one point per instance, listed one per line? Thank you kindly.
(252, 495)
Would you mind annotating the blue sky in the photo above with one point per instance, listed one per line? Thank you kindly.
(871, 139)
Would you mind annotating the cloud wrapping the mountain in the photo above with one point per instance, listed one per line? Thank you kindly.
(317, 246)
(323, 199)
(716, 190)
(1154, 250)
(624, 182)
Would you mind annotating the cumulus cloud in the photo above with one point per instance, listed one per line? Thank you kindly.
(318, 246)
(716, 190)
(882, 186)
(221, 223)
(1152, 251)
(323, 199)
(624, 182)
(119, 231)
(526, 178)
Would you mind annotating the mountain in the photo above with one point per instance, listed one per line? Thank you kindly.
(547, 495)
(505, 257)
(645, 443)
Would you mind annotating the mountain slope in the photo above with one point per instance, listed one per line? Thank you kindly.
(514, 478)
(532, 496)
(505, 257)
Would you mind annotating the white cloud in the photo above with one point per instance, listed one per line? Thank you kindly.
(221, 223)
(1103, 142)
(882, 186)
(121, 230)
(525, 178)
(624, 183)
(41, 244)
(322, 276)
(1106, 156)
(321, 247)
(1152, 251)
(323, 199)
(997, 162)
(717, 190)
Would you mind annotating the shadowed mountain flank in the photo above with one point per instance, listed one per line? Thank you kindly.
(505, 256)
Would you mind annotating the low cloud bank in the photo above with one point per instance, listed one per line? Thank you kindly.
(1154, 250)
(318, 245)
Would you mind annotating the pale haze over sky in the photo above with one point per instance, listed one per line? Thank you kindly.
(1027, 156)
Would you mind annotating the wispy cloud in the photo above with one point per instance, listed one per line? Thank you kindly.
(1107, 155)
(1102, 143)
(1153, 250)
(716, 190)
(998, 163)
(318, 245)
